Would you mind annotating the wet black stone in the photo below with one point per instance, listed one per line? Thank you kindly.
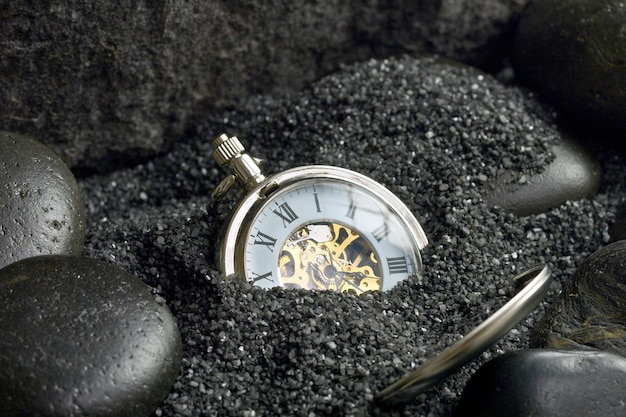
(574, 174)
(547, 383)
(573, 52)
(81, 337)
(41, 207)
(589, 313)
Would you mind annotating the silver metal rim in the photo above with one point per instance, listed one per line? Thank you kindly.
(474, 343)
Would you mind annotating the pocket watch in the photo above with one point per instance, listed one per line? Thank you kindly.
(314, 227)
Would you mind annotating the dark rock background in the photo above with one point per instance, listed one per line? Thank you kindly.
(573, 52)
(106, 84)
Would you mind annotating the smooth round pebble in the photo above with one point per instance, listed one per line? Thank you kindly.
(547, 383)
(590, 309)
(41, 208)
(572, 52)
(574, 174)
(82, 338)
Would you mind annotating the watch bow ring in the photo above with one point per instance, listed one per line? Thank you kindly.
(314, 227)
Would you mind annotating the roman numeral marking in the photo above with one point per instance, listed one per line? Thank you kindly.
(267, 240)
(286, 214)
(397, 265)
(258, 277)
(381, 232)
(351, 209)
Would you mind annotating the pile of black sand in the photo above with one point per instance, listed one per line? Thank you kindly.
(437, 135)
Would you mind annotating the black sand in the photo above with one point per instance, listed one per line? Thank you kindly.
(437, 136)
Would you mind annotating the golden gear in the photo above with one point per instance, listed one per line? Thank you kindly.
(340, 261)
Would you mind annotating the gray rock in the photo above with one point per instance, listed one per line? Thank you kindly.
(589, 313)
(81, 337)
(41, 208)
(105, 84)
(574, 174)
(547, 383)
(572, 52)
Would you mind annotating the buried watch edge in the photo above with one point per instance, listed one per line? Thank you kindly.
(315, 227)
(536, 283)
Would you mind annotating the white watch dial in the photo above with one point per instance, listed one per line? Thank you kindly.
(331, 234)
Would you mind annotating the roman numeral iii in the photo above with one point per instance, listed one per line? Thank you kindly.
(398, 265)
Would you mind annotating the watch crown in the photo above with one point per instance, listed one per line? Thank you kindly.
(226, 149)
(243, 168)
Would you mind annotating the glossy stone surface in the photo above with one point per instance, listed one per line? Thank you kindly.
(589, 312)
(41, 208)
(547, 383)
(574, 174)
(81, 337)
(573, 53)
